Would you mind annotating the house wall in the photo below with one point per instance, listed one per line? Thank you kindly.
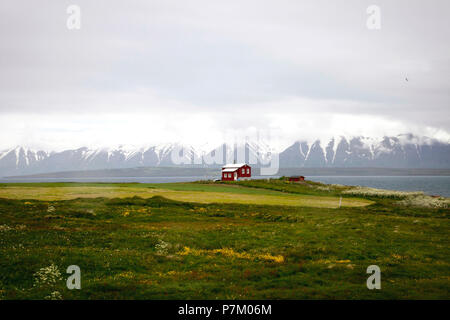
(247, 172)
(227, 176)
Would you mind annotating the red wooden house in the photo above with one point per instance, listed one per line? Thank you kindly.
(297, 178)
(234, 171)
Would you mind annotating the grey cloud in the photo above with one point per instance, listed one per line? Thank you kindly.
(215, 55)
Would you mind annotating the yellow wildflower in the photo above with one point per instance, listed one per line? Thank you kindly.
(229, 252)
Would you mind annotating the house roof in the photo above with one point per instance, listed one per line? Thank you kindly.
(230, 170)
(234, 165)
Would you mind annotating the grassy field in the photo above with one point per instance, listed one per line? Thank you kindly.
(247, 240)
(188, 192)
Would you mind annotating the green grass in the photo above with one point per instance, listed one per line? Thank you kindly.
(189, 192)
(151, 247)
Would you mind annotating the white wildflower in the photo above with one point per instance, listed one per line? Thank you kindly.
(47, 276)
(4, 228)
(162, 247)
(55, 295)
(372, 192)
(426, 202)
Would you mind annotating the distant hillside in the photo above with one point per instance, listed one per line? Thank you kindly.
(130, 173)
(210, 173)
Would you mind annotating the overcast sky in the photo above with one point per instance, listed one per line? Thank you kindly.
(145, 72)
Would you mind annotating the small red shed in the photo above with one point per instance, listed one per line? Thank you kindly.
(234, 171)
(297, 178)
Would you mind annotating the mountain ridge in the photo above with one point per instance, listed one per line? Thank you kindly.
(403, 151)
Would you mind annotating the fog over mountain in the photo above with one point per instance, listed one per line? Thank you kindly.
(404, 151)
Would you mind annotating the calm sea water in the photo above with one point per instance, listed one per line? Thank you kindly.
(433, 185)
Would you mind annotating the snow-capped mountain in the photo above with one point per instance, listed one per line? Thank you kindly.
(24, 161)
(20, 159)
(404, 151)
